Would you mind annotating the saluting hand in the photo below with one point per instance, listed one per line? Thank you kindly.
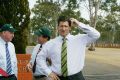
(74, 21)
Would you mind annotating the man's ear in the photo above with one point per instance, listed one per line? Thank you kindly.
(3, 32)
(70, 29)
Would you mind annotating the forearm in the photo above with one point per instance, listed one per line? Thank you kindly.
(92, 32)
(15, 66)
(41, 61)
(16, 69)
(43, 66)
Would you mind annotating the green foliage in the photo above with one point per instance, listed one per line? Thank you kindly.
(110, 23)
(110, 5)
(45, 14)
(16, 12)
(2, 21)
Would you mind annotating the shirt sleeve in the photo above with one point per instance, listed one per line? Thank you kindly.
(91, 33)
(16, 67)
(34, 54)
(41, 61)
(15, 62)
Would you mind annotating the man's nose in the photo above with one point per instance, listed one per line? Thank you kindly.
(63, 28)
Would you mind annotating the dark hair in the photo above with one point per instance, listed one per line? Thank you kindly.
(45, 36)
(63, 19)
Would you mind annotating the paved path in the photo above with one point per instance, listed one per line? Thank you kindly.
(102, 64)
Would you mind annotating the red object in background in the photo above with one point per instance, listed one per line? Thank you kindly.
(3, 73)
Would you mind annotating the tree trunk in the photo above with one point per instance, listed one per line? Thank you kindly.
(93, 19)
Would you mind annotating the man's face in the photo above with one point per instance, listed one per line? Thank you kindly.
(64, 28)
(8, 36)
(41, 39)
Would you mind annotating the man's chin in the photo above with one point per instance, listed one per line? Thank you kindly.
(64, 35)
(9, 40)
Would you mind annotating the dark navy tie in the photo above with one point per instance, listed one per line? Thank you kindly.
(34, 65)
(8, 60)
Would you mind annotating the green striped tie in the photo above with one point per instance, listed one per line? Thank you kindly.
(64, 58)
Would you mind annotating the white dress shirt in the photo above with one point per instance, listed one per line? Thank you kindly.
(11, 49)
(34, 53)
(75, 51)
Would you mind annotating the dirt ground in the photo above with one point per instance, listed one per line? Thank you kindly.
(102, 64)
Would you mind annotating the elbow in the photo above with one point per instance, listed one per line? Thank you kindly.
(97, 36)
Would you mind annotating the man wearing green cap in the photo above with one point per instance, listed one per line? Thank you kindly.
(8, 61)
(43, 36)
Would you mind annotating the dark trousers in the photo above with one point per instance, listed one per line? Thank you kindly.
(11, 77)
(78, 76)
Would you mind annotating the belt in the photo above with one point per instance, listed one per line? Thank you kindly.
(71, 75)
(41, 76)
(77, 76)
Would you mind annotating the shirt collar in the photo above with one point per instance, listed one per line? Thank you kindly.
(43, 44)
(67, 37)
(2, 41)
